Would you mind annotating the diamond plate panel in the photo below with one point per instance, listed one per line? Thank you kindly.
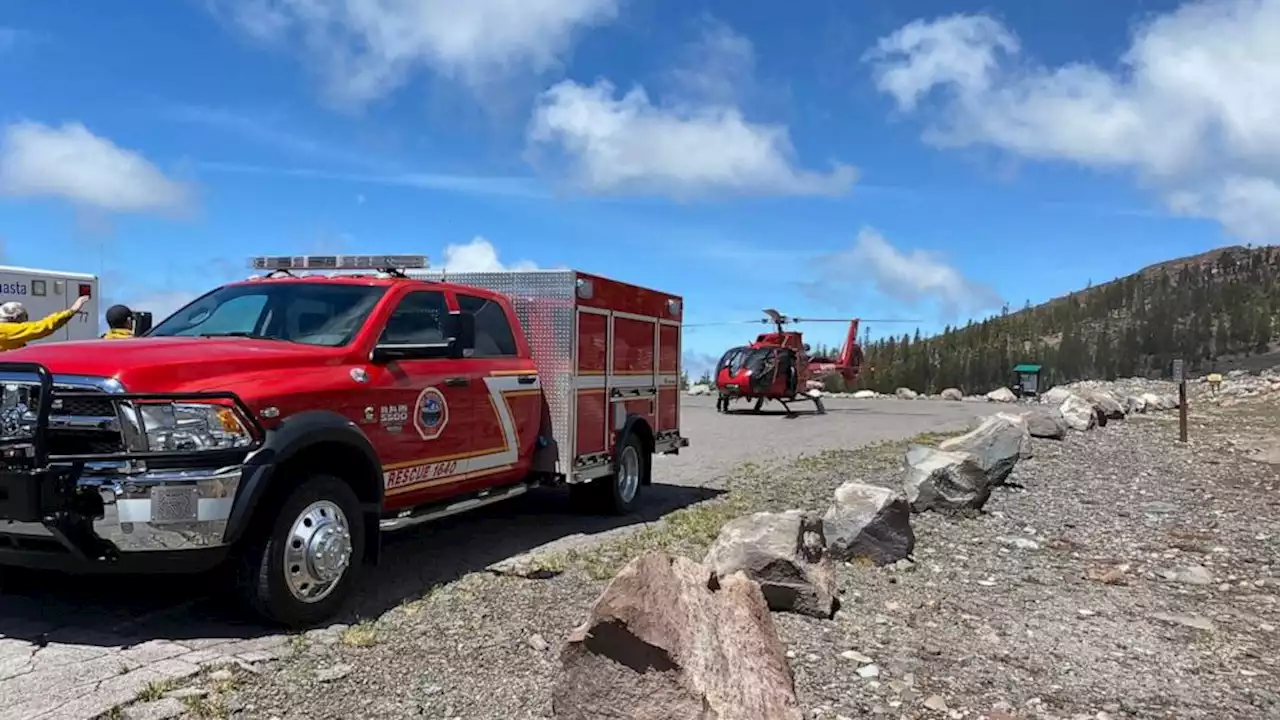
(545, 304)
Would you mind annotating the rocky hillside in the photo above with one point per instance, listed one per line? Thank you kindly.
(1216, 310)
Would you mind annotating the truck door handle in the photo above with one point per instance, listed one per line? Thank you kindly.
(456, 381)
(527, 379)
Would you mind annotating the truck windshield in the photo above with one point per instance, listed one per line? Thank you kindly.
(309, 313)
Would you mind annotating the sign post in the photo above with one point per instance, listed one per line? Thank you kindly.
(1180, 376)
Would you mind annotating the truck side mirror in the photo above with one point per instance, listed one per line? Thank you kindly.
(141, 322)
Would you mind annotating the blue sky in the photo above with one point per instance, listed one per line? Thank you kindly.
(926, 160)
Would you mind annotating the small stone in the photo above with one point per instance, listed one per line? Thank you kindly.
(1018, 542)
(183, 693)
(539, 643)
(867, 672)
(935, 702)
(791, 654)
(221, 675)
(1086, 613)
(163, 709)
(1196, 622)
(330, 674)
(856, 656)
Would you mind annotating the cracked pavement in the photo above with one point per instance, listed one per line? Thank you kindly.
(74, 648)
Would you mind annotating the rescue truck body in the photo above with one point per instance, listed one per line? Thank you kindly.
(285, 422)
(44, 292)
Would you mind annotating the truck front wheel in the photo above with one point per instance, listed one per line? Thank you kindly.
(300, 566)
(619, 492)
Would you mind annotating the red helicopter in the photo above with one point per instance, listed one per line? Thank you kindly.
(777, 365)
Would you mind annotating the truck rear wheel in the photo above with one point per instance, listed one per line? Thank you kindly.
(299, 567)
(619, 492)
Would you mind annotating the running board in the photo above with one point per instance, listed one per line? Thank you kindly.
(409, 519)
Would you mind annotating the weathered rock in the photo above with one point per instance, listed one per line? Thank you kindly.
(940, 480)
(785, 553)
(952, 394)
(1056, 396)
(1003, 395)
(867, 521)
(1107, 404)
(996, 445)
(1134, 404)
(1078, 413)
(1159, 402)
(667, 639)
(699, 389)
(906, 393)
(864, 394)
(1045, 422)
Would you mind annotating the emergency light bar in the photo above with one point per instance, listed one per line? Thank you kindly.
(339, 262)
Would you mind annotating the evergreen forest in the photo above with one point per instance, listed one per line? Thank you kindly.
(1207, 310)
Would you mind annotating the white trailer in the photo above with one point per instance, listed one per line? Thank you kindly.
(45, 292)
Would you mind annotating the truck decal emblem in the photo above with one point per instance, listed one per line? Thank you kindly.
(401, 477)
(368, 414)
(359, 375)
(392, 417)
(431, 413)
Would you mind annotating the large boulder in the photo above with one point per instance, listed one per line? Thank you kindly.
(1134, 404)
(699, 389)
(1056, 396)
(667, 639)
(996, 445)
(1045, 422)
(1160, 402)
(868, 522)
(1107, 404)
(1002, 395)
(953, 394)
(1078, 413)
(864, 394)
(940, 480)
(906, 393)
(785, 553)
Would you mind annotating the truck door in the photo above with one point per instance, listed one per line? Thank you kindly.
(424, 414)
(506, 395)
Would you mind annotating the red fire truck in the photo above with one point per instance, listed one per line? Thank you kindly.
(277, 426)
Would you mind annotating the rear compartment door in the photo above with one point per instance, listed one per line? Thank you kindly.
(506, 396)
(423, 424)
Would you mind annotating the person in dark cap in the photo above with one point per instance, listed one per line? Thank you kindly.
(119, 323)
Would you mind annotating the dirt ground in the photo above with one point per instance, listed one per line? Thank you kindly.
(1125, 576)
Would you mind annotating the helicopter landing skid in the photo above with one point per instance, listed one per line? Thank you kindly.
(722, 403)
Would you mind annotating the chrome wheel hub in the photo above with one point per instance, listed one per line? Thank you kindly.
(317, 552)
(628, 473)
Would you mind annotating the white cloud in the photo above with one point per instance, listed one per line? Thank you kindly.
(72, 163)
(911, 278)
(367, 48)
(479, 255)
(694, 144)
(1191, 110)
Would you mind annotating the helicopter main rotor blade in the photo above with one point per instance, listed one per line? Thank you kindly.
(845, 320)
(728, 322)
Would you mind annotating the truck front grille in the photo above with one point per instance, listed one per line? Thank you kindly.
(82, 423)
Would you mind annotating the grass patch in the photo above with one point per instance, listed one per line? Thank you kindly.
(804, 482)
(206, 708)
(115, 713)
(156, 690)
(362, 634)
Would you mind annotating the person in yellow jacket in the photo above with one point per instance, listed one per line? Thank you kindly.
(16, 329)
(119, 323)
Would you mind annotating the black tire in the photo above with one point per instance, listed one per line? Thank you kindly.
(260, 571)
(607, 495)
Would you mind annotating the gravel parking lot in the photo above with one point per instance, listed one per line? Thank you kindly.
(76, 648)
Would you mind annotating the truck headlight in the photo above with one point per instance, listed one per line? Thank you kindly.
(191, 426)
